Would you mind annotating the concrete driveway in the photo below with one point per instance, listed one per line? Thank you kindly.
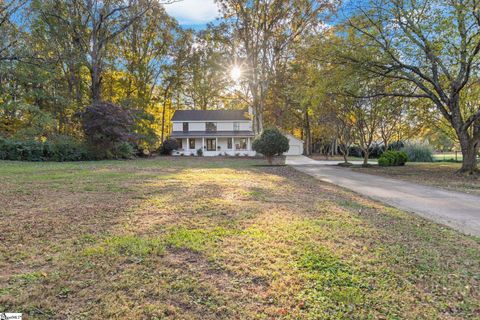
(458, 210)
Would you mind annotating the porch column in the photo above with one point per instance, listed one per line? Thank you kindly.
(249, 147)
(203, 144)
(188, 144)
(216, 143)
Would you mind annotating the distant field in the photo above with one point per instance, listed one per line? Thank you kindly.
(197, 238)
(448, 156)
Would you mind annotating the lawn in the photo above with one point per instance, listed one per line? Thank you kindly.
(438, 174)
(448, 156)
(193, 238)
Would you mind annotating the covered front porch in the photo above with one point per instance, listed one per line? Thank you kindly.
(215, 146)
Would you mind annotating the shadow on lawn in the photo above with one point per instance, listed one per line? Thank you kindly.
(229, 240)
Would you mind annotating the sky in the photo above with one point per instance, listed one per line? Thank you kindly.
(196, 14)
(193, 13)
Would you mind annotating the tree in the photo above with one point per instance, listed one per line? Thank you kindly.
(207, 69)
(344, 125)
(173, 74)
(264, 30)
(9, 31)
(433, 45)
(270, 143)
(366, 114)
(94, 25)
(147, 50)
(106, 125)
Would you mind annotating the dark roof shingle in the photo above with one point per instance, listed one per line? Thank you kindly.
(210, 115)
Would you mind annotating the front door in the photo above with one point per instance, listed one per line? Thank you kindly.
(211, 145)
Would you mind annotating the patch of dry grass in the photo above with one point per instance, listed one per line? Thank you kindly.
(182, 238)
(438, 174)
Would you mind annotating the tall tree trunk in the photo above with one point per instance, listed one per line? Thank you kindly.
(165, 97)
(469, 141)
(163, 118)
(96, 86)
(365, 158)
(308, 134)
(469, 153)
(345, 155)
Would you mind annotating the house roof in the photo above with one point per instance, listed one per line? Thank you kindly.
(206, 134)
(210, 115)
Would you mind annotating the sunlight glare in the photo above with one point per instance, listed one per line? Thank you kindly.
(236, 73)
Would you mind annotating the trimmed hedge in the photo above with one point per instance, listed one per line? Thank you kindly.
(392, 158)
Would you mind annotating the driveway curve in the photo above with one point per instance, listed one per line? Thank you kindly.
(455, 209)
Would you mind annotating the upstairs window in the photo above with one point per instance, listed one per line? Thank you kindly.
(236, 126)
(185, 127)
(211, 126)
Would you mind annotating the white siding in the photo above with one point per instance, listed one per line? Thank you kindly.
(224, 126)
(177, 126)
(196, 126)
(245, 126)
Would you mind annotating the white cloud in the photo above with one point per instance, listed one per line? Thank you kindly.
(193, 11)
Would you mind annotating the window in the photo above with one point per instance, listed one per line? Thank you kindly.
(211, 126)
(236, 126)
(229, 143)
(211, 145)
(191, 144)
(241, 144)
(185, 127)
(180, 144)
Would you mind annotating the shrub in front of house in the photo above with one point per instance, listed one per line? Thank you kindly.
(200, 152)
(168, 146)
(392, 158)
(271, 143)
(418, 152)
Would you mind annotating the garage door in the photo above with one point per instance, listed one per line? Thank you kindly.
(294, 151)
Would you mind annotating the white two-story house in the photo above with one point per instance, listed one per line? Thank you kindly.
(216, 132)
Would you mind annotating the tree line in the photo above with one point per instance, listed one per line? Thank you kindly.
(335, 74)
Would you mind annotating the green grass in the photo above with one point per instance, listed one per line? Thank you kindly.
(448, 156)
(193, 238)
